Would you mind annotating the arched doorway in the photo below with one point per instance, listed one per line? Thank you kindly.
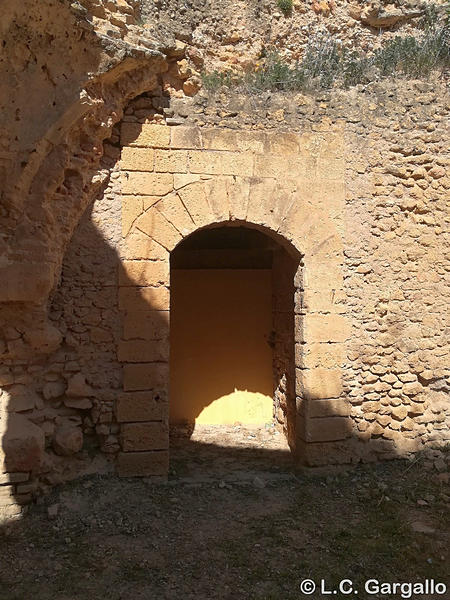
(232, 346)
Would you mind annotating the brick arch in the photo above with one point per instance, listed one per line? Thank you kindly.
(155, 224)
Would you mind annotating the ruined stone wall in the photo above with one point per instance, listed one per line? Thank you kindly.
(367, 168)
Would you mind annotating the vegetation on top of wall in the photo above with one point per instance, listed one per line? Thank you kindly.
(326, 63)
(285, 6)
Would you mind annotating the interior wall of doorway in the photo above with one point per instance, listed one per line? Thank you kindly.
(221, 357)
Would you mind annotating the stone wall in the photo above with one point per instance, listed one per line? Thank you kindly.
(354, 182)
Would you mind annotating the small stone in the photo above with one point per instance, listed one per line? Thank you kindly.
(80, 403)
(52, 511)
(78, 387)
(192, 86)
(67, 440)
(53, 389)
(259, 483)
(419, 527)
(439, 465)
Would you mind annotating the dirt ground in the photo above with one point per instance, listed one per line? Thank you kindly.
(233, 522)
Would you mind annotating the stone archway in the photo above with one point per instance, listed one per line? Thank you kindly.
(232, 356)
(173, 186)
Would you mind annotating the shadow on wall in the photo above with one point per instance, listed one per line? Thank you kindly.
(58, 411)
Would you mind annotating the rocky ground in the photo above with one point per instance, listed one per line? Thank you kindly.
(230, 523)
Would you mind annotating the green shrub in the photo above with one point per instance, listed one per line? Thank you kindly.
(285, 6)
(213, 81)
(325, 63)
(415, 56)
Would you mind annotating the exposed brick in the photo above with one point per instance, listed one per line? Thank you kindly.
(194, 198)
(320, 383)
(146, 325)
(135, 134)
(155, 224)
(142, 406)
(151, 184)
(143, 273)
(171, 161)
(205, 161)
(147, 376)
(138, 351)
(137, 437)
(137, 159)
(144, 298)
(324, 429)
(185, 137)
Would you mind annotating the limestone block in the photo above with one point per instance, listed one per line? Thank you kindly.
(138, 245)
(328, 195)
(185, 137)
(268, 202)
(322, 328)
(146, 325)
(142, 406)
(278, 166)
(144, 273)
(412, 389)
(171, 161)
(155, 225)
(149, 201)
(181, 180)
(310, 356)
(175, 212)
(284, 144)
(77, 386)
(252, 141)
(132, 207)
(300, 214)
(151, 184)
(216, 190)
(205, 162)
(330, 168)
(237, 164)
(138, 437)
(325, 429)
(20, 398)
(238, 195)
(67, 440)
(46, 338)
(22, 443)
(135, 134)
(221, 139)
(133, 299)
(329, 407)
(194, 199)
(143, 464)
(138, 351)
(79, 403)
(319, 383)
(137, 159)
(327, 243)
(322, 276)
(325, 301)
(53, 389)
(146, 376)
